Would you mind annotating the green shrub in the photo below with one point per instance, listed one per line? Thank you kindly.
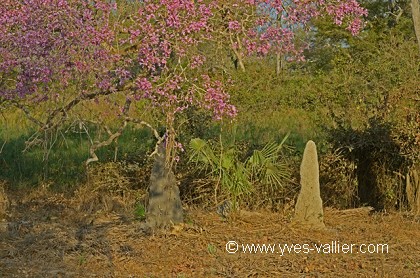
(239, 177)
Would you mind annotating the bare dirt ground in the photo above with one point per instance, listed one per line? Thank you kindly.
(47, 235)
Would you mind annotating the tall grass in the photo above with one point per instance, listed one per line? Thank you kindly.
(62, 159)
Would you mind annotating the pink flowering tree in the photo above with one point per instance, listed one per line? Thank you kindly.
(66, 52)
(48, 46)
(54, 55)
(260, 27)
(159, 47)
(166, 35)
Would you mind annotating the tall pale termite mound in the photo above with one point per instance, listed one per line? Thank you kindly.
(308, 210)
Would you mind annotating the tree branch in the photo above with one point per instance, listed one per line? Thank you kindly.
(114, 136)
(27, 113)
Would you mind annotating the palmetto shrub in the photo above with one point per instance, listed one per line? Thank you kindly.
(235, 177)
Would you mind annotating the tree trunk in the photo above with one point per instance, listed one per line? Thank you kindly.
(279, 63)
(413, 189)
(415, 10)
(164, 205)
(241, 64)
(239, 59)
(238, 62)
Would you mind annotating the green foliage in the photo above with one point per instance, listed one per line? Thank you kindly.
(64, 165)
(140, 211)
(238, 177)
(338, 179)
(82, 259)
(270, 106)
(223, 166)
(211, 249)
(264, 165)
(380, 161)
(371, 90)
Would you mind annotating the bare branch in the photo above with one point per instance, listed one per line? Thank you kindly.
(49, 124)
(63, 110)
(112, 136)
(97, 145)
(27, 113)
(33, 141)
(155, 133)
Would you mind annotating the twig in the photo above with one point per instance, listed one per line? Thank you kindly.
(2, 146)
(71, 104)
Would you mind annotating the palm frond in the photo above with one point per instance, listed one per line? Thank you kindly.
(201, 153)
(265, 166)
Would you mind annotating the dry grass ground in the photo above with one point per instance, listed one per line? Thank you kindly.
(48, 235)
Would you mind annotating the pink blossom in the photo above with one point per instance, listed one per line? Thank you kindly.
(234, 25)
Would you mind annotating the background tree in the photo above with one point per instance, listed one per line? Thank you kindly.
(260, 27)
